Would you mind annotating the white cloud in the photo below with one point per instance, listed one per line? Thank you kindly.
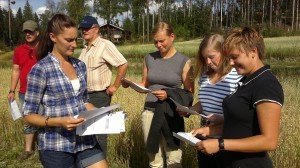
(41, 10)
(3, 4)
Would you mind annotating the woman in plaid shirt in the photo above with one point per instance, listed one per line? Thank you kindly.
(58, 83)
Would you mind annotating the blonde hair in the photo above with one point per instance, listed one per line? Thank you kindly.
(245, 39)
(162, 26)
(214, 41)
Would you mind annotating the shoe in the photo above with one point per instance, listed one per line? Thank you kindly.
(25, 155)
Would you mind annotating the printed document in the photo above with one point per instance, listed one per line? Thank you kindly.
(136, 87)
(14, 109)
(186, 109)
(187, 137)
(107, 123)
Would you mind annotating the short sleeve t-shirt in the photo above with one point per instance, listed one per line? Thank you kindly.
(24, 56)
(240, 116)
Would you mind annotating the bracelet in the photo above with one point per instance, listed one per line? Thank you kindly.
(11, 91)
(221, 144)
(46, 121)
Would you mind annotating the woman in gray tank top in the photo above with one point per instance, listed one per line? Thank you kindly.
(163, 69)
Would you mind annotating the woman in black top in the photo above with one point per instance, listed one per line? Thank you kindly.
(252, 112)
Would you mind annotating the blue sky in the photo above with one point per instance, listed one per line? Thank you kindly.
(38, 6)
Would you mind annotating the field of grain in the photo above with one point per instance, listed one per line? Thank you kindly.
(127, 150)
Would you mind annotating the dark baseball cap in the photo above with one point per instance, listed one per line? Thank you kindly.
(87, 22)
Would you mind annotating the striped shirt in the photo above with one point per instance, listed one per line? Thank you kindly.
(211, 95)
(48, 85)
(99, 59)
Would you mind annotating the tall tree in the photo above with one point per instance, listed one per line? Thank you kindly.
(77, 9)
(18, 24)
(293, 14)
(61, 7)
(128, 27)
(2, 24)
(147, 18)
(44, 19)
(50, 4)
(108, 9)
(27, 12)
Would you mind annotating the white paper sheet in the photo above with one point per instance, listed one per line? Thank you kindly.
(108, 123)
(186, 109)
(14, 109)
(186, 137)
(136, 87)
(93, 113)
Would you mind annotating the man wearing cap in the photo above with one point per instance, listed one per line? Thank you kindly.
(23, 61)
(100, 55)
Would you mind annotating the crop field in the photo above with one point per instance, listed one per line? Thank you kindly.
(127, 150)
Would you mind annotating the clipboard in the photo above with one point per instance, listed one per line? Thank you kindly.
(96, 112)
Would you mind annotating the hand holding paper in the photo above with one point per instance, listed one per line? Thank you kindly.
(136, 87)
(187, 137)
(101, 121)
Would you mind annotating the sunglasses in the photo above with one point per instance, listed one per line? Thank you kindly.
(28, 32)
(88, 29)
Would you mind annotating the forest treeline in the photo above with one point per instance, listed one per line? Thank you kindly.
(190, 18)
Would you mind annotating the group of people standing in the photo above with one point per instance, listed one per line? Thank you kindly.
(237, 92)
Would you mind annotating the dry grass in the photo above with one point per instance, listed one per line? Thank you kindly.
(128, 150)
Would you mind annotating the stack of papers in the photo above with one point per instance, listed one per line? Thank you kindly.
(102, 121)
(136, 87)
(108, 123)
(187, 137)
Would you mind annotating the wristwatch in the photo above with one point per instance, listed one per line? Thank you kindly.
(11, 91)
(221, 144)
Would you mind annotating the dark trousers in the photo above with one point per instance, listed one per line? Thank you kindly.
(101, 99)
(209, 161)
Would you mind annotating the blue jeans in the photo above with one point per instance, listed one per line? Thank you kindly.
(59, 159)
(26, 128)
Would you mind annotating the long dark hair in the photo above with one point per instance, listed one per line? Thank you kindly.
(56, 25)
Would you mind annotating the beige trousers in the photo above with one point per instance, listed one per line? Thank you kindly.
(173, 157)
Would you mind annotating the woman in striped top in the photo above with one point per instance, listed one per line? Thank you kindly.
(217, 79)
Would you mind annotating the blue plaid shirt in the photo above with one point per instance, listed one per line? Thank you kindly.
(48, 85)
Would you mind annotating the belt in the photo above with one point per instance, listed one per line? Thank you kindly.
(91, 92)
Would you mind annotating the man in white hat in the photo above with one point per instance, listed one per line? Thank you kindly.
(23, 60)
